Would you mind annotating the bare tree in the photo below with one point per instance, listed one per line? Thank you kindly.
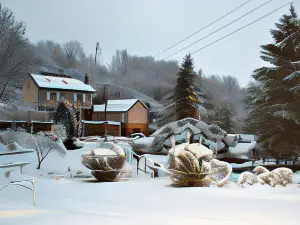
(16, 57)
(42, 143)
(74, 53)
(45, 144)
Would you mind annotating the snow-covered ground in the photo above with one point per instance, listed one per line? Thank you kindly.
(140, 199)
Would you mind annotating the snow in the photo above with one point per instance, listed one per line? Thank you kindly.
(122, 105)
(14, 159)
(145, 141)
(240, 149)
(63, 83)
(100, 122)
(140, 199)
(85, 202)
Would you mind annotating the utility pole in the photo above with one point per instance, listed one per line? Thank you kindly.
(105, 97)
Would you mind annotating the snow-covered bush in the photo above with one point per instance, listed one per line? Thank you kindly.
(66, 114)
(59, 130)
(106, 168)
(43, 142)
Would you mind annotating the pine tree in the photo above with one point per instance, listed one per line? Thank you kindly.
(183, 100)
(274, 112)
(224, 116)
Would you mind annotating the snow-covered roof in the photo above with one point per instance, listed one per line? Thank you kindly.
(24, 121)
(100, 122)
(121, 105)
(63, 83)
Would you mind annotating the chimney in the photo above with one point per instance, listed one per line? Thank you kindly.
(87, 79)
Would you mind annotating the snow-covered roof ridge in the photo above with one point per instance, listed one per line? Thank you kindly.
(120, 105)
(63, 83)
(100, 122)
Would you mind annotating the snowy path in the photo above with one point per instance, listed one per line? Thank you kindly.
(148, 201)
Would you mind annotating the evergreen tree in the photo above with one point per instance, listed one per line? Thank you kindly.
(183, 100)
(224, 116)
(273, 103)
(67, 115)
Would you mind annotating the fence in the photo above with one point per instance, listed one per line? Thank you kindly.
(29, 126)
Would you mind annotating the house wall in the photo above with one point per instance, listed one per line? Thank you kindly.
(30, 92)
(128, 129)
(98, 129)
(138, 114)
(86, 114)
(133, 121)
(111, 116)
(68, 95)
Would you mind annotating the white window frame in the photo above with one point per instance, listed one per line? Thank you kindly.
(75, 98)
(83, 98)
(48, 96)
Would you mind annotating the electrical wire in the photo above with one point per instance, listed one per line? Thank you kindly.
(246, 14)
(240, 6)
(243, 27)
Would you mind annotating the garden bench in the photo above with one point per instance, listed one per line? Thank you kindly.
(21, 165)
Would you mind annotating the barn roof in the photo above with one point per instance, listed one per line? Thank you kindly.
(63, 83)
(121, 105)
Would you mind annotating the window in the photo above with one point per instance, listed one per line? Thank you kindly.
(57, 96)
(75, 97)
(52, 97)
(48, 96)
(83, 97)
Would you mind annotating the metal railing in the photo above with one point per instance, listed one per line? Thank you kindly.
(19, 183)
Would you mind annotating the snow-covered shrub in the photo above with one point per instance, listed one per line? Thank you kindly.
(187, 170)
(247, 177)
(267, 178)
(44, 144)
(11, 147)
(59, 130)
(106, 168)
(7, 174)
(66, 114)
(8, 136)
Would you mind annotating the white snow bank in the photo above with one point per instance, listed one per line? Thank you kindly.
(145, 141)
(155, 202)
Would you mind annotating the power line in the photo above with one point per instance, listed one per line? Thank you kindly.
(243, 27)
(251, 11)
(240, 6)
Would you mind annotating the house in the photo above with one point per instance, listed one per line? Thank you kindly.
(132, 114)
(43, 91)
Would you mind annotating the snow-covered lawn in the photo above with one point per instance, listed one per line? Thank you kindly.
(148, 201)
(140, 200)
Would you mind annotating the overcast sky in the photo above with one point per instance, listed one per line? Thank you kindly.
(146, 27)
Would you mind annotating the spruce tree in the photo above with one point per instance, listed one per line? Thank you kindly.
(183, 100)
(224, 116)
(184, 94)
(274, 112)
